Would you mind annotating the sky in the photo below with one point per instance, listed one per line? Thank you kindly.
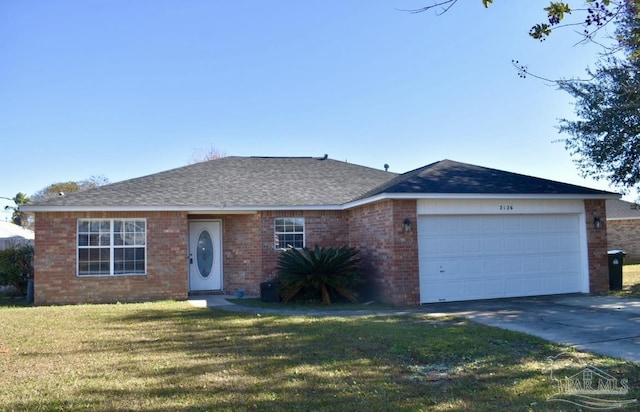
(123, 89)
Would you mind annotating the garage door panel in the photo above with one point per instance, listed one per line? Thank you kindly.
(479, 257)
(534, 285)
(513, 286)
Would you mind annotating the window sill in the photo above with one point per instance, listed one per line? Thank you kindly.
(119, 275)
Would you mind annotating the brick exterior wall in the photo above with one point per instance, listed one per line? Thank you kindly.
(55, 277)
(389, 253)
(321, 228)
(248, 247)
(242, 257)
(625, 235)
(597, 246)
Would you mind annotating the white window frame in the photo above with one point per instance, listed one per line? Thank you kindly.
(297, 221)
(139, 242)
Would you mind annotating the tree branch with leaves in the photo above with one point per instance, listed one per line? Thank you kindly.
(597, 14)
(605, 139)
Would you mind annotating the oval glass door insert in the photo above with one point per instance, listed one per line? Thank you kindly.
(204, 255)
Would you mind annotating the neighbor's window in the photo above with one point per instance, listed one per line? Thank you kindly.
(289, 232)
(112, 247)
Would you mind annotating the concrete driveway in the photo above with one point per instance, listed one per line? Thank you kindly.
(604, 325)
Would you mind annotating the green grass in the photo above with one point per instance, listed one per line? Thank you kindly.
(316, 305)
(170, 356)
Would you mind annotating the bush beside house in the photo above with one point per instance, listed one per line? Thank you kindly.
(16, 267)
(319, 273)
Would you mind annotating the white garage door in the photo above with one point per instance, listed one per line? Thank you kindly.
(489, 256)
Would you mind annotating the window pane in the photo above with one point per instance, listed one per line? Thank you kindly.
(118, 261)
(99, 239)
(139, 239)
(93, 261)
(291, 240)
(129, 261)
(140, 264)
(83, 268)
(83, 240)
(289, 232)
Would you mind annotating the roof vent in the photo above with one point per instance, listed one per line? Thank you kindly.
(386, 167)
(326, 156)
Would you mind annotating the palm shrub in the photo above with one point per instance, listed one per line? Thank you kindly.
(321, 272)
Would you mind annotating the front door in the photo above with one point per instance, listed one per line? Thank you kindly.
(205, 256)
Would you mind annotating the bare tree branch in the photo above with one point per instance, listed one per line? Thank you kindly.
(446, 5)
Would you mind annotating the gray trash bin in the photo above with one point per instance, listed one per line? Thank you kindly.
(616, 260)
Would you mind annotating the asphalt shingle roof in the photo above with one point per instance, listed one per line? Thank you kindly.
(448, 176)
(270, 182)
(237, 182)
(619, 209)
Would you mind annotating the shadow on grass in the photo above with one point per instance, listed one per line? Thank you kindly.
(628, 291)
(232, 362)
(180, 358)
(633, 290)
(338, 306)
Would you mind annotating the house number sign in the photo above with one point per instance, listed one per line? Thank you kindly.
(505, 208)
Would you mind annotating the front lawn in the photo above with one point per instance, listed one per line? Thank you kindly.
(170, 356)
(630, 281)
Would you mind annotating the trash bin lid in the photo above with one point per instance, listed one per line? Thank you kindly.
(616, 252)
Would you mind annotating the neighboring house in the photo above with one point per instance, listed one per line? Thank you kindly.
(623, 228)
(447, 231)
(12, 235)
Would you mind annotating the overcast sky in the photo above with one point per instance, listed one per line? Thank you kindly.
(129, 88)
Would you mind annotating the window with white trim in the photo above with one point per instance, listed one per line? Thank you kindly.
(112, 247)
(289, 232)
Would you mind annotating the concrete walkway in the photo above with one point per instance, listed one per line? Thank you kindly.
(606, 325)
(221, 302)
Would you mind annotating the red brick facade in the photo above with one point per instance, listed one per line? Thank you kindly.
(55, 278)
(389, 252)
(597, 245)
(388, 248)
(249, 254)
(624, 234)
